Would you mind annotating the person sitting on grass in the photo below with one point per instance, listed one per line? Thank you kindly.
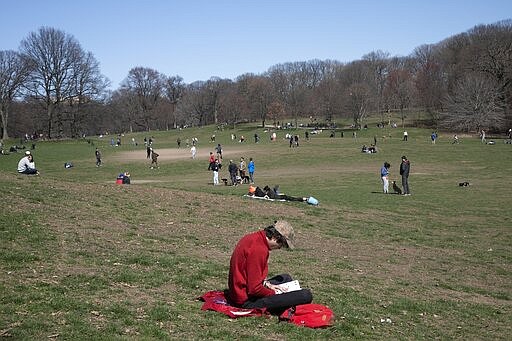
(248, 285)
(27, 165)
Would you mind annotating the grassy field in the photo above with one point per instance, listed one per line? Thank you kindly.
(85, 259)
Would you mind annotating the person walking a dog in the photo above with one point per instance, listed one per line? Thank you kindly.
(233, 171)
(405, 167)
(384, 175)
(248, 286)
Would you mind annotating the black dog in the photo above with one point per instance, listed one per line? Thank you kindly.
(397, 189)
(464, 184)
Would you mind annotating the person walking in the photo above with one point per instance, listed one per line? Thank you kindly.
(384, 175)
(154, 159)
(250, 169)
(405, 167)
(97, 153)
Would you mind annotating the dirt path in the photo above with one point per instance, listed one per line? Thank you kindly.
(181, 154)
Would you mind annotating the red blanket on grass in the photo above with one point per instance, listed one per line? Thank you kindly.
(215, 300)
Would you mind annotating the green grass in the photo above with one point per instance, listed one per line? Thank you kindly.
(85, 259)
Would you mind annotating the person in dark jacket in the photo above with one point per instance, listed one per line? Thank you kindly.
(273, 193)
(233, 171)
(405, 166)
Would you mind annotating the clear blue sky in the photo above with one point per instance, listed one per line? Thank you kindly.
(201, 39)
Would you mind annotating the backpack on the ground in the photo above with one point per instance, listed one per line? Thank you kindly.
(310, 315)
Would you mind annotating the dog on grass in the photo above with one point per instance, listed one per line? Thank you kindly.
(464, 184)
(397, 189)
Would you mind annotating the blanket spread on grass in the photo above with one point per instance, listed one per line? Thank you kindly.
(215, 300)
(262, 198)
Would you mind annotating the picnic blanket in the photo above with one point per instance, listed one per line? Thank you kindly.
(262, 198)
(215, 300)
(310, 200)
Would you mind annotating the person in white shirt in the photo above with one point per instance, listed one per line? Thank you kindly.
(27, 164)
(193, 151)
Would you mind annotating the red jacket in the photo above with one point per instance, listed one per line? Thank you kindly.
(248, 268)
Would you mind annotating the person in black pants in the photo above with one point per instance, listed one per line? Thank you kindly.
(248, 286)
(405, 166)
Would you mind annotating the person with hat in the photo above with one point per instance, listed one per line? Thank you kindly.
(405, 166)
(248, 286)
(27, 164)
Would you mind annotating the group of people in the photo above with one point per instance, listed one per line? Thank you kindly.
(237, 173)
(405, 167)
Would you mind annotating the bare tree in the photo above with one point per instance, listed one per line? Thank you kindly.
(260, 95)
(173, 88)
(378, 65)
(358, 102)
(89, 85)
(146, 85)
(399, 86)
(476, 104)
(53, 55)
(13, 73)
(428, 80)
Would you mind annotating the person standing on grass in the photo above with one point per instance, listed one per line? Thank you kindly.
(250, 169)
(215, 167)
(193, 151)
(248, 285)
(211, 161)
(482, 136)
(98, 157)
(242, 168)
(433, 137)
(405, 167)
(406, 136)
(218, 149)
(384, 175)
(233, 171)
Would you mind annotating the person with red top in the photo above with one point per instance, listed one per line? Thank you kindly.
(248, 286)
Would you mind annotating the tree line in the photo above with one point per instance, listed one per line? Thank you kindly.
(52, 87)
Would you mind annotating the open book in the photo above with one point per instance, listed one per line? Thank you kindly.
(288, 286)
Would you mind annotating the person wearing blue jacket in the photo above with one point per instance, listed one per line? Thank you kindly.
(384, 174)
(250, 169)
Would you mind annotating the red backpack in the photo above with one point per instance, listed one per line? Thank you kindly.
(310, 315)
